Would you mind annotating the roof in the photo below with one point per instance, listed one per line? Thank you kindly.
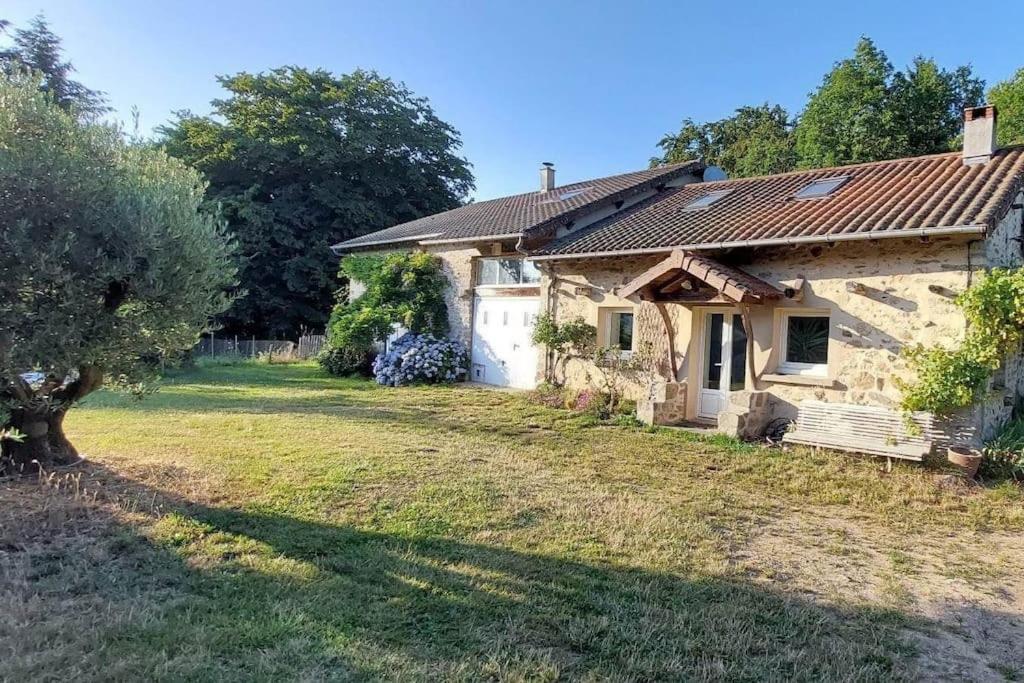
(734, 283)
(895, 198)
(511, 216)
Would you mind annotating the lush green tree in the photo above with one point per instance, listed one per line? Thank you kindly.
(754, 141)
(37, 48)
(849, 118)
(299, 160)
(866, 111)
(106, 265)
(1008, 97)
(928, 104)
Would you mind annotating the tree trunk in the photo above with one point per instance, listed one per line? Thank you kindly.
(44, 446)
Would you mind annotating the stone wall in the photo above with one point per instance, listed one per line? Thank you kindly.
(664, 403)
(458, 268)
(746, 414)
(583, 289)
(881, 296)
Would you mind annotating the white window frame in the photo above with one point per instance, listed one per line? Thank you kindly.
(519, 284)
(607, 314)
(806, 369)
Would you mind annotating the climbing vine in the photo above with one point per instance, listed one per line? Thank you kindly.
(949, 379)
(401, 288)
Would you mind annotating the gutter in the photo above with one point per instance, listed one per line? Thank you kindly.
(482, 238)
(340, 248)
(779, 241)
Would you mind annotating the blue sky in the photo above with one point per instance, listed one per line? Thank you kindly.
(591, 86)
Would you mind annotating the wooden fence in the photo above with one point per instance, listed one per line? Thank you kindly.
(308, 346)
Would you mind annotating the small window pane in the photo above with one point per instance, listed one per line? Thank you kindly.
(820, 188)
(713, 351)
(706, 200)
(488, 272)
(738, 361)
(509, 271)
(807, 340)
(530, 273)
(622, 331)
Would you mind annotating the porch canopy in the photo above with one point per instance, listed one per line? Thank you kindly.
(688, 278)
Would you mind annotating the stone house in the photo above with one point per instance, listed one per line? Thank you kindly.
(749, 296)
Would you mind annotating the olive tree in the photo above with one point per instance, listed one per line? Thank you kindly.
(106, 265)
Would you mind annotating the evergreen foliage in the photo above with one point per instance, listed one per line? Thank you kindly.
(38, 49)
(301, 159)
(106, 264)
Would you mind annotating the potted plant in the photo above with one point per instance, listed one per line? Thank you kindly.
(966, 458)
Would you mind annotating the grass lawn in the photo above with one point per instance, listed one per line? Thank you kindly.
(267, 522)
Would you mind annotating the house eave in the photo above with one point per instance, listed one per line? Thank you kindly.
(341, 247)
(464, 240)
(778, 241)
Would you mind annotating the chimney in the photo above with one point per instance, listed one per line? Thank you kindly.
(979, 134)
(547, 176)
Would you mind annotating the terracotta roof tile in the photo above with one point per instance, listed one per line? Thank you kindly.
(901, 195)
(510, 216)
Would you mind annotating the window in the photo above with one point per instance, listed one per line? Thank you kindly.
(804, 344)
(706, 200)
(617, 328)
(531, 275)
(820, 188)
(507, 272)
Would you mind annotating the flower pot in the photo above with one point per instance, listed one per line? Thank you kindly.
(967, 459)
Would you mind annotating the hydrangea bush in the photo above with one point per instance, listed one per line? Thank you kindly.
(421, 358)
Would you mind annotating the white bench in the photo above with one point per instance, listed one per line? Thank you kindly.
(862, 429)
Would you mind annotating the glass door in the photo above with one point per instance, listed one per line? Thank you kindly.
(723, 361)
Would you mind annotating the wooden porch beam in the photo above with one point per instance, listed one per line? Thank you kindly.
(648, 277)
(663, 310)
(748, 329)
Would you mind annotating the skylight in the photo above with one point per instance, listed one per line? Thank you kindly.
(820, 188)
(567, 194)
(573, 193)
(706, 200)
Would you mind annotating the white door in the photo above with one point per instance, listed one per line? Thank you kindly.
(723, 361)
(503, 353)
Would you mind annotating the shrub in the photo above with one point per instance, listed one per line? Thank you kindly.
(626, 406)
(343, 362)
(421, 358)
(592, 402)
(947, 380)
(1004, 455)
(548, 395)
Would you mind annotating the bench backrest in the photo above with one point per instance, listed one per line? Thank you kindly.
(864, 423)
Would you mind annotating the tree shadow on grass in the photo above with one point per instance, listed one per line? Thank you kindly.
(266, 595)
